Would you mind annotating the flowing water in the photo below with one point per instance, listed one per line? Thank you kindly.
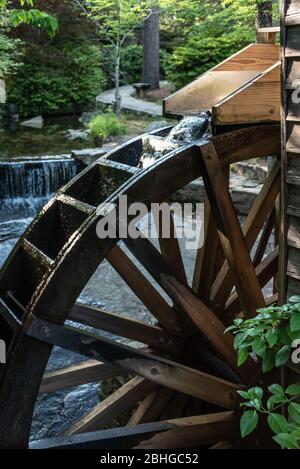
(25, 185)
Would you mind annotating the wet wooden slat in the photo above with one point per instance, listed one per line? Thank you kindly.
(75, 375)
(130, 328)
(231, 236)
(254, 222)
(143, 289)
(209, 426)
(151, 367)
(105, 412)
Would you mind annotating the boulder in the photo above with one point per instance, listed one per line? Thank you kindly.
(72, 134)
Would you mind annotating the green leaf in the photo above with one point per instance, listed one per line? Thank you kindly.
(259, 346)
(285, 440)
(278, 423)
(248, 423)
(273, 400)
(294, 411)
(230, 328)
(295, 322)
(294, 299)
(242, 356)
(293, 389)
(268, 362)
(276, 389)
(283, 355)
(238, 340)
(244, 394)
(284, 337)
(272, 337)
(238, 322)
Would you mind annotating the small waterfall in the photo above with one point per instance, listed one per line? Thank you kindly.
(191, 129)
(34, 178)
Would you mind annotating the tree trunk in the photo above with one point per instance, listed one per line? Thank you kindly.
(264, 14)
(264, 19)
(151, 43)
(117, 103)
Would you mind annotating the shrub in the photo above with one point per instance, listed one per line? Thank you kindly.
(198, 55)
(104, 126)
(58, 80)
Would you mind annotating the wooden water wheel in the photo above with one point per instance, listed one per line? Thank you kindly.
(184, 380)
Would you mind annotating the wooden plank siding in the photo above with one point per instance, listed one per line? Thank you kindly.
(290, 53)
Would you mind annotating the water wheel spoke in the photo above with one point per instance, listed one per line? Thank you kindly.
(230, 232)
(113, 406)
(200, 430)
(154, 336)
(222, 445)
(159, 370)
(264, 239)
(254, 222)
(186, 300)
(89, 371)
(209, 257)
(143, 289)
(151, 407)
(169, 246)
(265, 271)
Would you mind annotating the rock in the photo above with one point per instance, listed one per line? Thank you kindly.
(72, 134)
(35, 122)
(156, 125)
(2, 92)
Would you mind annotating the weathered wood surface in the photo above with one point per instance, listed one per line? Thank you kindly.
(87, 372)
(126, 397)
(264, 91)
(203, 430)
(149, 366)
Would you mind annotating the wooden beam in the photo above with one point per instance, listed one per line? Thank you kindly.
(265, 271)
(170, 249)
(159, 370)
(264, 239)
(155, 337)
(231, 236)
(188, 302)
(151, 407)
(251, 228)
(86, 372)
(143, 289)
(105, 412)
(207, 430)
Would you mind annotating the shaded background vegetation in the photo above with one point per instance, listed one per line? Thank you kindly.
(64, 74)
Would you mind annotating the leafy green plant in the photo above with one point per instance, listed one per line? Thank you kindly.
(104, 126)
(269, 336)
(287, 431)
(43, 87)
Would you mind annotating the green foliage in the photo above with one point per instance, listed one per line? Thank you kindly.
(131, 64)
(286, 430)
(270, 338)
(206, 33)
(269, 335)
(37, 18)
(43, 87)
(104, 126)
